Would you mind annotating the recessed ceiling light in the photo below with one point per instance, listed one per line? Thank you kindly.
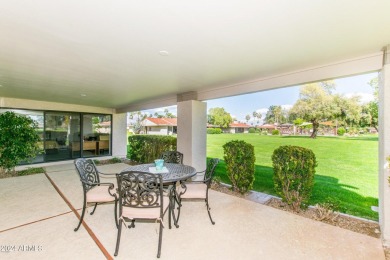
(83, 95)
(163, 53)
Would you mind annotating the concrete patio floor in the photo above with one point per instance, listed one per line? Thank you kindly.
(34, 214)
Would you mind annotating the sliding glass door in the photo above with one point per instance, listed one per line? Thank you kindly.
(69, 135)
(96, 135)
(61, 136)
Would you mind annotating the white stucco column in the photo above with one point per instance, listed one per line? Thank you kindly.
(384, 147)
(119, 135)
(191, 132)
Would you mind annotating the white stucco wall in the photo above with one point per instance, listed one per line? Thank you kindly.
(384, 148)
(191, 132)
(119, 135)
(157, 130)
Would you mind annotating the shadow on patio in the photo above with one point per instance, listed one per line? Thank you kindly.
(243, 230)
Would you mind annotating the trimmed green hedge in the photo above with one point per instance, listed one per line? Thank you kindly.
(214, 131)
(294, 169)
(252, 130)
(147, 148)
(240, 159)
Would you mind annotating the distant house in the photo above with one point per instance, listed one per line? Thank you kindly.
(160, 126)
(286, 129)
(267, 127)
(236, 128)
(168, 126)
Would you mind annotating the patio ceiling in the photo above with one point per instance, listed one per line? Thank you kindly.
(110, 51)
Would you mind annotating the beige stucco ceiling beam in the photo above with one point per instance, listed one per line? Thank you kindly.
(7, 102)
(338, 69)
(343, 68)
(149, 104)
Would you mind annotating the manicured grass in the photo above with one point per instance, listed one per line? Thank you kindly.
(347, 167)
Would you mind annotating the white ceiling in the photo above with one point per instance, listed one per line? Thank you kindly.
(109, 50)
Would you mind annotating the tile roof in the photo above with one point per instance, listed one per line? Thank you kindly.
(161, 121)
(239, 125)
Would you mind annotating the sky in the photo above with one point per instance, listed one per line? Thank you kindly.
(240, 106)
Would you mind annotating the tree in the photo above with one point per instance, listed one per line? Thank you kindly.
(315, 104)
(247, 118)
(19, 140)
(349, 109)
(274, 114)
(166, 114)
(257, 115)
(219, 117)
(136, 120)
(370, 110)
(369, 115)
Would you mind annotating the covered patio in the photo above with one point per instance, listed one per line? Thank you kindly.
(243, 229)
(111, 58)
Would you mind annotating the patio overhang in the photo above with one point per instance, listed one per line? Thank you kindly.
(128, 56)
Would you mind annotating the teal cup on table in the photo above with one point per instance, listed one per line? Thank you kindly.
(159, 164)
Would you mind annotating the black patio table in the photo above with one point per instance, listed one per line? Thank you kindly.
(176, 172)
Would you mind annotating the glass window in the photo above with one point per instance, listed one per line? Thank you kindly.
(62, 136)
(96, 135)
(68, 135)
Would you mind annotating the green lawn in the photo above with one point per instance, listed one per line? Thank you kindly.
(347, 167)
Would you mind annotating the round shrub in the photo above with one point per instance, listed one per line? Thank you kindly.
(294, 169)
(214, 131)
(18, 140)
(275, 132)
(240, 159)
(341, 131)
(252, 130)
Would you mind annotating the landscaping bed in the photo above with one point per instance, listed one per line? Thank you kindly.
(359, 225)
(367, 227)
(28, 171)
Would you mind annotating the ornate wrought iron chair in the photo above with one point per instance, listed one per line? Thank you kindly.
(141, 197)
(198, 189)
(94, 190)
(172, 157)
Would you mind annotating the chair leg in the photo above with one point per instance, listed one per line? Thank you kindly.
(208, 207)
(116, 214)
(94, 208)
(118, 239)
(172, 201)
(178, 211)
(170, 208)
(160, 239)
(82, 216)
(132, 225)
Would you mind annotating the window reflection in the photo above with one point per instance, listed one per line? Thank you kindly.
(96, 135)
(61, 131)
(69, 135)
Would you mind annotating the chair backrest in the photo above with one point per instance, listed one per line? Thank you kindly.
(88, 172)
(210, 170)
(172, 157)
(140, 190)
